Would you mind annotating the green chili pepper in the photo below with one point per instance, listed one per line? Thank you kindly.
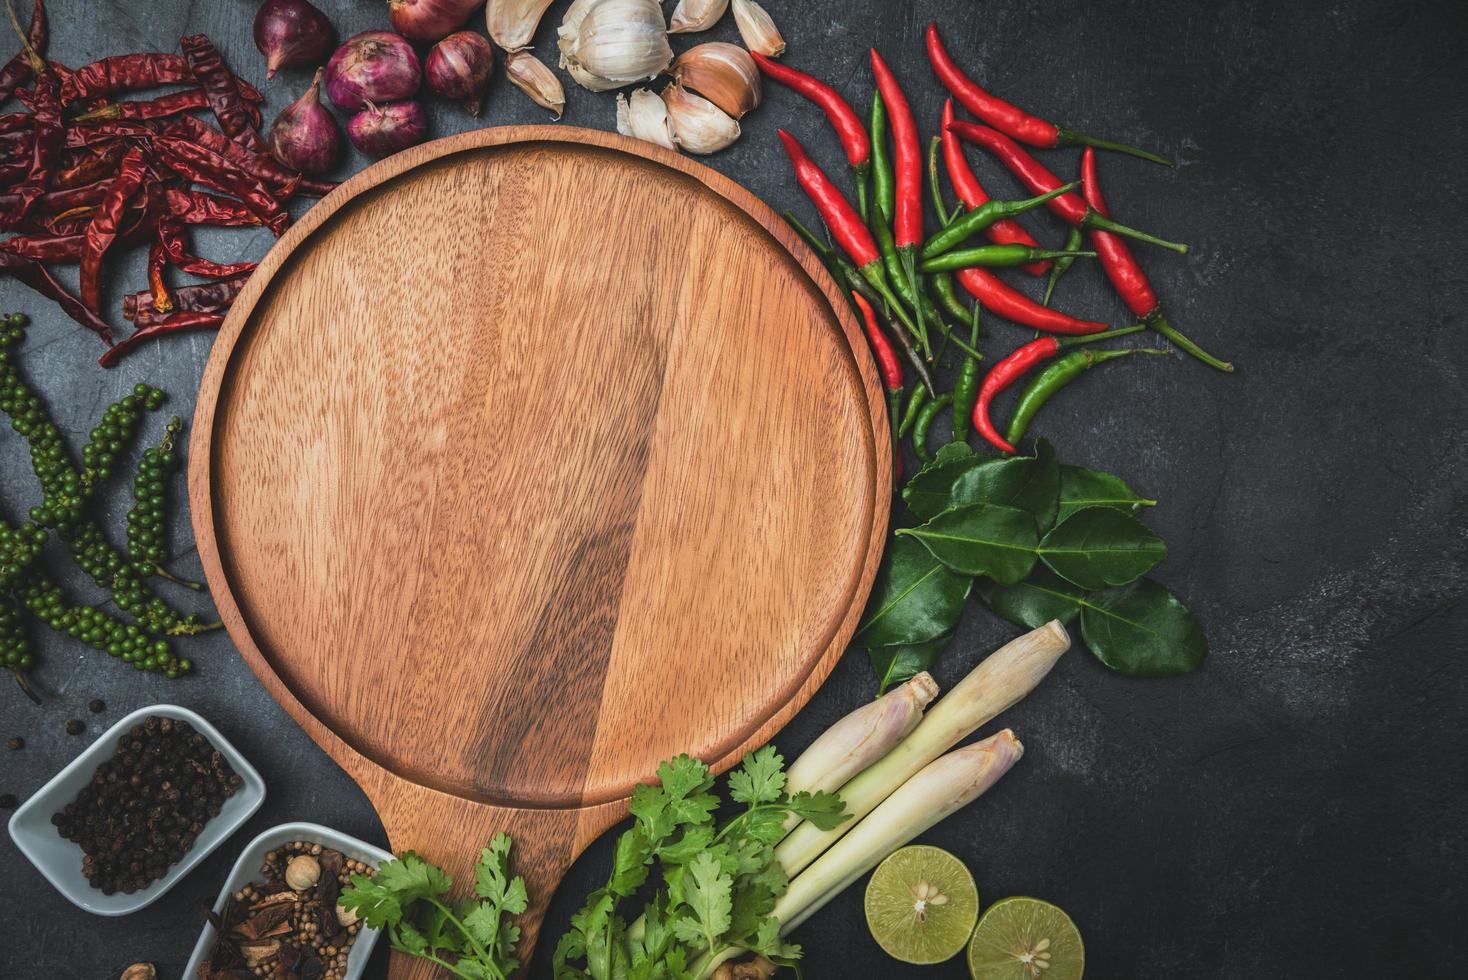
(1056, 376)
(914, 406)
(925, 422)
(994, 256)
(966, 388)
(982, 217)
(1062, 265)
(884, 181)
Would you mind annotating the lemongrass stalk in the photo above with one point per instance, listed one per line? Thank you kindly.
(856, 741)
(1003, 678)
(943, 786)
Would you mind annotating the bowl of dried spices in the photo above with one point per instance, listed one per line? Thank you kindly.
(278, 909)
(137, 810)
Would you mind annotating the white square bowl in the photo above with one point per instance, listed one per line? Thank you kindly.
(247, 869)
(60, 860)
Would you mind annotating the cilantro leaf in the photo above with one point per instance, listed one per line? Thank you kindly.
(824, 810)
(409, 939)
(381, 899)
(767, 943)
(708, 893)
(689, 845)
(761, 779)
(483, 924)
(629, 863)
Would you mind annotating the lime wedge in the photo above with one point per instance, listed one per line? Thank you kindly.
(921, 904)
(1026, 939)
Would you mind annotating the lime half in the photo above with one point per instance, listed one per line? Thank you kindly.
(1026, 939)
(921, 905)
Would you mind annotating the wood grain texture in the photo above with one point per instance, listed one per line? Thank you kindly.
(494, 628)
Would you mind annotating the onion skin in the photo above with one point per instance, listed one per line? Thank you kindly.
(372, 67)
(458, 68)
(382, 130)
(305, 135)
(429, 20)
(292, 34)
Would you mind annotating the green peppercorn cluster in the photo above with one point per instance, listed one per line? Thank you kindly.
(66, 492)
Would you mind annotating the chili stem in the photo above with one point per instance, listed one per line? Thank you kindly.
(37, 65)
(1095, 219)
(1159, 323)
(1069, 138)
(1091, 338)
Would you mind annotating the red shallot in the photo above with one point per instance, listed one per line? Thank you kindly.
(305, 136)
(291, 34)
(458, 68)
(382, 130)
(372, 67)
(429, 20)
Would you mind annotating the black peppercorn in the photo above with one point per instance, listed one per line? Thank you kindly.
(96, 706)
(15, 744)
(74, 726)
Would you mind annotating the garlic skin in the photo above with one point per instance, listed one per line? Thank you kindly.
(696, 15)
(723, 73)
(699, 126)
(532, 77)
(644, 117)
(606, 44)
(345, 917)
(512, 23)
(757, 29)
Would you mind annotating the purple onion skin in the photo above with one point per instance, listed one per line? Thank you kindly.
(458, 68)
(429, 20)
(305, 136)
(374, 66)
(291, 34)
(382, 130)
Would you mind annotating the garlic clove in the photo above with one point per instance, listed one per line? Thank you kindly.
(303, 872)
(696, 15)
(606, 44)
(512, 23)
(723, 73)
(532, 77)
(644, 117)
(757, 29)
(699, 126)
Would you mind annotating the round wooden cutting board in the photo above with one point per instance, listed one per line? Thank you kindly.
(529, 458)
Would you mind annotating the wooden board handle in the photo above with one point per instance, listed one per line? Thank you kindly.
(450, 832)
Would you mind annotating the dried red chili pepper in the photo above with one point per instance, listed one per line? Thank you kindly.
(106, 223)
(1010, 119)
(48, 134)
(13, 170)
(87, 164)
(10, 122)
(1005, 231)
(207, 297)
(18, 70)
(46, 248)
(39, 278)
(56, 201)
(842, 117)
(1070, 207)
(172, 237)
(204, 166)
(123, 72)
(17, 141)
(1010, 369)
(262, 167)
(179, 322)
(162, 300)
(223, 92)
(94, 132)
(199, 208)
(165, 105)
(890, 368)
(1126, 274)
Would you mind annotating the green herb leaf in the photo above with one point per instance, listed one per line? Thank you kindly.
(681, 799)
(483, 924)
(1099, 547)
(981, 539)
(408, 939)
(380, 900)
(1030, 483)
(687, 846)
(824, 810)
(1081, 488)
(915, 598)
(767, 943)
(1143, 631)
(492, 881)
(629, 863)
(930, 491)
(896, 664)
(1037, 600)
(708, 893)
(761, 779)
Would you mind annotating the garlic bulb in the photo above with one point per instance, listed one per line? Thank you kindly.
(723, 73)
(533, 78)
(699, 126)
(606, 44)
(757, 29)
(696, 15)
(644, 117)
(512, 23)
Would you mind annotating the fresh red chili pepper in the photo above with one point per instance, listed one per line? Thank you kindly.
(890, 368)
(207, 297)
(18, 70)
(997, 296)
(261, 167)
(39, 278)
(106, 223)
(204, 166)
(1005, 231)
(907, 158)
(224, 94)
(1070, 207)
(1126, 274)
(173, 323)
(1008, 370)
(842, 117)
(1011, 119)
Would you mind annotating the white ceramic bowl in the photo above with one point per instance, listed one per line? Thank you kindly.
(247, 869)
(60, 861)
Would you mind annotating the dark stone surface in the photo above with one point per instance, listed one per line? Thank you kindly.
(1291, 811)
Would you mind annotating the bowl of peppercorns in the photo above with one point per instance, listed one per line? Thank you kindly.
(133, 814)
